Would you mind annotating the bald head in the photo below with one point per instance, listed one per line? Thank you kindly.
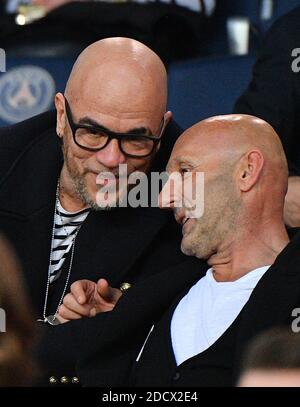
(245, 181)
(119, 74)
(229, 137)
(117, 85)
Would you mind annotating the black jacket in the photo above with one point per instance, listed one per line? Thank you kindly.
(120, 338)
(122, 245)
(274, 92)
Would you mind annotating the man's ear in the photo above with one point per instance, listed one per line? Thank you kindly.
(250, 169)
(60, 114)
(167, 118)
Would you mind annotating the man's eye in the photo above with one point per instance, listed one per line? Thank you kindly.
(184, 170)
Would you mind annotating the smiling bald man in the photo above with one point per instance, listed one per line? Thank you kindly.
(113, 112)
(197, 337)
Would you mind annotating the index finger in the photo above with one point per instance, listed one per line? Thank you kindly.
(81, 290)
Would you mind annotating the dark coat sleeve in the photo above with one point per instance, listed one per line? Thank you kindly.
(15, 139)
(101, 351)
(274, 91)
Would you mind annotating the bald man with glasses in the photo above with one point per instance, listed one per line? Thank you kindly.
(113, 112)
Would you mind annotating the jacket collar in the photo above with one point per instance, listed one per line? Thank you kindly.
(274, 297)
(31, 182)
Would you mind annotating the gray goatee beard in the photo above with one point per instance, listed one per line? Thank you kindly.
(82, 192)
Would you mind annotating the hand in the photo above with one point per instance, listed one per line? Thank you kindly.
(87, 298)
(292, 203)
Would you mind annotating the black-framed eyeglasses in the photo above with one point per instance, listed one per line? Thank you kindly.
(95, 138)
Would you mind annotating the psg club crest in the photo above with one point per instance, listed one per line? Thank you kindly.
(25, 92)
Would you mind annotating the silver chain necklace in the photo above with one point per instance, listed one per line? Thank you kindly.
(52, 319)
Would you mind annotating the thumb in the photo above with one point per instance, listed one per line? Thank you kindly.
(108, 293)
(103, 289)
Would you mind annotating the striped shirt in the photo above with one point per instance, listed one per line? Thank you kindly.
(66, 225)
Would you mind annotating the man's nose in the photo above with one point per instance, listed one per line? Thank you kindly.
(111, 156)
(171, 195)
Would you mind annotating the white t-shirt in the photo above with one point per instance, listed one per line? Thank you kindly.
(207, 310)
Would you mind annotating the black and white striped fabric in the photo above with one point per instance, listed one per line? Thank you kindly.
(66, 225)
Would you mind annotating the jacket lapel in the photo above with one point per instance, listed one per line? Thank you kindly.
(118, 239)
(27, 199)
(274, 298)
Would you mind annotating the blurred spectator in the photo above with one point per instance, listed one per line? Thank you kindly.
(50, 5)
(274, 95)
(16, 339)
(206, 6)
(272, 360)
(11, 6)
(174, 30)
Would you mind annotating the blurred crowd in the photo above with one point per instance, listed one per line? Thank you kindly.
(173, 29)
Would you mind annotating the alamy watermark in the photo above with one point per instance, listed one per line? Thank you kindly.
(296, 61)
(138, 189)
(296, 322)
(2, 320)
(2, 60)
